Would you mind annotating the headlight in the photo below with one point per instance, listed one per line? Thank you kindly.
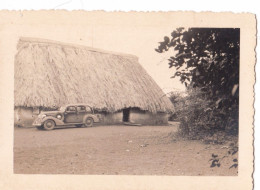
(59, 116)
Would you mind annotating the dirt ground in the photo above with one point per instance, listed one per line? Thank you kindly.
(115, 150)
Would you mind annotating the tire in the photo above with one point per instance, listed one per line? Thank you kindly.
(40, 127)
(89, 121)
(49, 125)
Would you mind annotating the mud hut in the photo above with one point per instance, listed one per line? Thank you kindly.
(51, 74)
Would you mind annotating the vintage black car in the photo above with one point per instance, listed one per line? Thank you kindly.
(73, 114)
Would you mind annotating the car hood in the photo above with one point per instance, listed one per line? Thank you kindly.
(50, 112)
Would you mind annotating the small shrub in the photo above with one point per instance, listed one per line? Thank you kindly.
(204, 118)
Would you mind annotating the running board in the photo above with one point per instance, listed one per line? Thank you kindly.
(132, 124)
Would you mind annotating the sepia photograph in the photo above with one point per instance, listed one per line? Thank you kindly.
(104, 99)
(83, 110)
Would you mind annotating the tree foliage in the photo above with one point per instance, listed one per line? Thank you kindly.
(208, 59)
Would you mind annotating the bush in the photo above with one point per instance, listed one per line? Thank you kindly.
(201, 117)
(178, 100)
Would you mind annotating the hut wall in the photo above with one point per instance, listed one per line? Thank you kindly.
(148, 118)
(136, 116)
(112, 118)
(24, 117)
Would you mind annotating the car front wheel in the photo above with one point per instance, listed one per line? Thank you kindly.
(89, 122)
(40, 127)
(49, 124)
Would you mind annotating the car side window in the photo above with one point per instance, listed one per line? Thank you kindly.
(71, 109)
(81, 109)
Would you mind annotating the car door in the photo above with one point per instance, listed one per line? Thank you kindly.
(70, 115)
(81, 112)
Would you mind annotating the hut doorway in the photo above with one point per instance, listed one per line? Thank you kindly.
(126, 113)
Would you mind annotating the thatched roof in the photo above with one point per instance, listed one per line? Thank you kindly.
(49, 74)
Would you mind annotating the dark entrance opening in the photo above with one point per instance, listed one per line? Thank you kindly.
(126, 113)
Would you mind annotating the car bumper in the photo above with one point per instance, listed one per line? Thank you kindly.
(37, 122)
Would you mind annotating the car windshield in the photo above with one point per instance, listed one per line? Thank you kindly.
(62, 109)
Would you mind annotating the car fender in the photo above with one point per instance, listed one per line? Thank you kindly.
(94, 117)
(57, 121)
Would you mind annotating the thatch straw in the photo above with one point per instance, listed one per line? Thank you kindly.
(51, 74)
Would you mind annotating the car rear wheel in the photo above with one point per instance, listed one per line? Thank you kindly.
(89, 122)
(49, 124)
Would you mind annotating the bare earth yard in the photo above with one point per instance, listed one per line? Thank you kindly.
(114, 150)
